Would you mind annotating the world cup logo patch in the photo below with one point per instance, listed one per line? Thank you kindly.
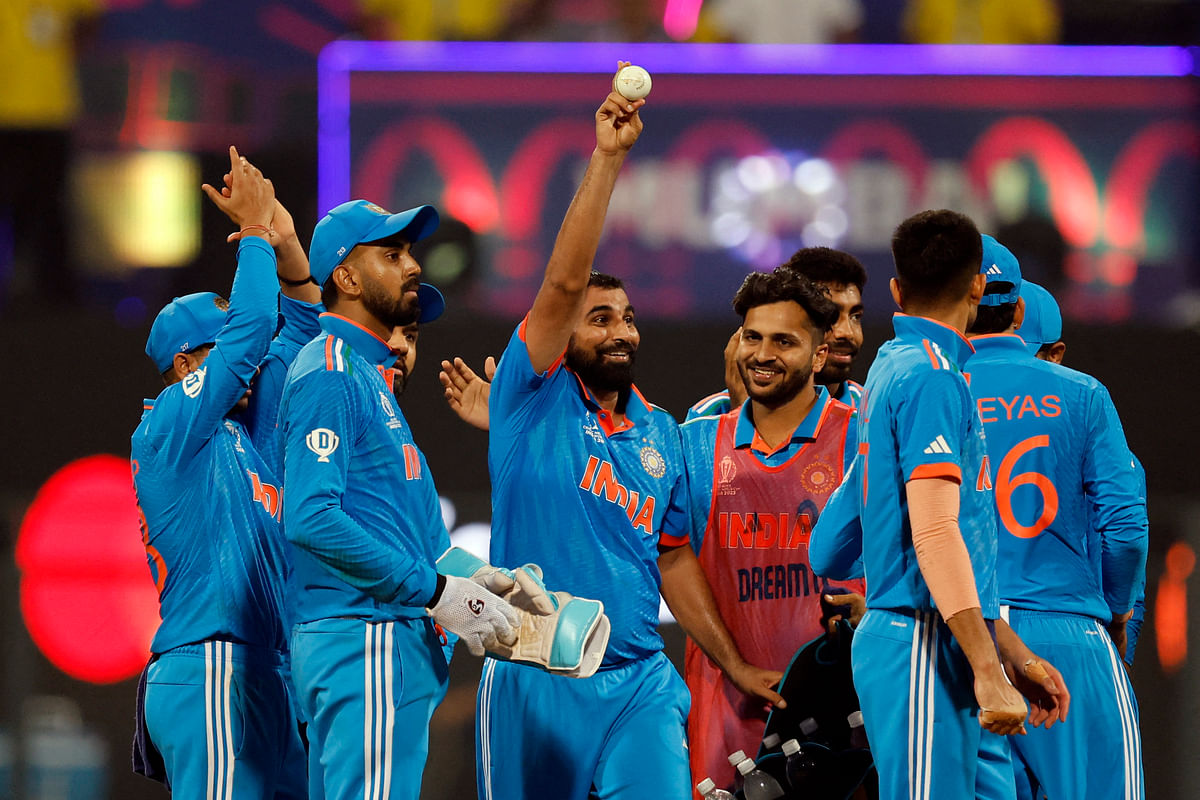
(818, 478)
(653, 462)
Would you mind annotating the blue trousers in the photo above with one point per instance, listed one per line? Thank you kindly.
(917, 694)
(620, 734)
(1097, 753)
(221, 715)
(368, 690)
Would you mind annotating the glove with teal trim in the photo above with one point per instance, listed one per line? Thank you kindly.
(568, 638)
(522, 588)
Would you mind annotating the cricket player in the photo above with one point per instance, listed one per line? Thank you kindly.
(363, 515)
(1073, 539)
(922, 485)
(588, 481)
(216, 704)
(842, 277)
(759, 477)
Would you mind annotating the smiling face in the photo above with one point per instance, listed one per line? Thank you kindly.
(603, 345)
(846, 337)
(776, 356)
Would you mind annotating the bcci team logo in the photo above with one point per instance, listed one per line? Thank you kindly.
(378, 209)
(653, 462)
(323, 442)
(818, 477)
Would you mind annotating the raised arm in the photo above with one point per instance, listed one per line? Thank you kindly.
(559, 301)
(295, 280)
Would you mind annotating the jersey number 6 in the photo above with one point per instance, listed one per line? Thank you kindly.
(1006, 482)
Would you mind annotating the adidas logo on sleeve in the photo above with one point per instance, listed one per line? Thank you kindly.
(938, 445)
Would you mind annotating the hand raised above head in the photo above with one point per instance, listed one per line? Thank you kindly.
(618, 123)
(248, 197)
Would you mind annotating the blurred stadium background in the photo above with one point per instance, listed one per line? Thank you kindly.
(760, 138)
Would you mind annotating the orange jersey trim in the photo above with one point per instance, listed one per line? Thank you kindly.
(944, 469)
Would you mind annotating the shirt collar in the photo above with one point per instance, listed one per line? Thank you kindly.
(637, 407)
(361, 340)
(1006, 344)
(952, 343)
(745, 434)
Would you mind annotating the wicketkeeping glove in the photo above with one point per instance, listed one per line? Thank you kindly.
(522, 588)
(480, 618)
(569, 640)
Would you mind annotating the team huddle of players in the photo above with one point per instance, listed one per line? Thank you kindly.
(985, 536)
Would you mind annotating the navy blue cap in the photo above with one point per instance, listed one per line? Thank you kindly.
(431, 301)
(358, 222)
(184, 324)
(1000, 266)
(1043, 319)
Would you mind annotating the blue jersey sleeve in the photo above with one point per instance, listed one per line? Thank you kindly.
(677, 519)
(835, 547)
(211, 392)
(712, 406)
(1118, 506)
(930, 423)
(300, 326)
(699, 450)
(319, 432)
(515, 402)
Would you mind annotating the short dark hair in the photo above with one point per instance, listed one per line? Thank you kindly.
(826, 265)
(937, 253)
(603, 281)
(993, 319)
(329, 293)
(781, 285)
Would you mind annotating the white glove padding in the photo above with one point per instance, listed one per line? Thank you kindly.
(522, 587)
(571, 641)
(477, 616)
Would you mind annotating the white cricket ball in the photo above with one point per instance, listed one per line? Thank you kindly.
(632, 82)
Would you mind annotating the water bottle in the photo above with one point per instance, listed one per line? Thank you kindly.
(809, 728)
(756, 784)
(709, 791)
(799, 767)
(734, 760)
(858, 733)
(770, 743)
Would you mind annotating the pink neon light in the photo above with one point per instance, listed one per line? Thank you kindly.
(470, 194)
(523, 186)
(1074, 199)
(864, 137)
(1133, 174)
(681, 17)
(294, 28)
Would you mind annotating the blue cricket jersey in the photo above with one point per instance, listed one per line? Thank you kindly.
(209, 503)
(299, 327)
(360, 506)
(1073, 530)
(587, 500)
(718, 403)
(918, 421)
(699, 454)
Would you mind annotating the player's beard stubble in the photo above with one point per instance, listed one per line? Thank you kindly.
(393, 312)
(599, 374)
(780, 393)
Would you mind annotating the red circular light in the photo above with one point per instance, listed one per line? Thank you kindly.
(86, 593)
